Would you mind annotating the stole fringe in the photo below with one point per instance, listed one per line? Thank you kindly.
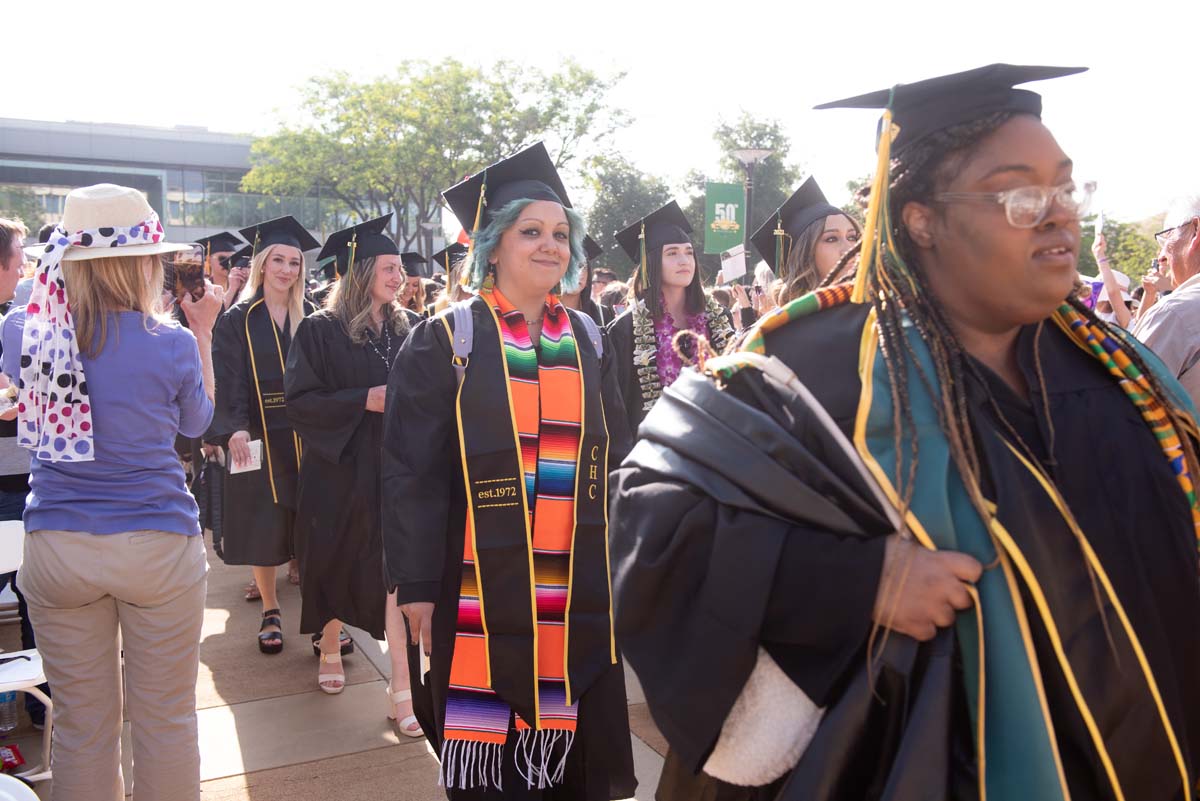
(535, 754)
(467, 764)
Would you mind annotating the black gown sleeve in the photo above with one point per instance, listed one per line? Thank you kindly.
(232, 400)
(620, 345)
(620, 437)
(420, 451)
(698, 587)
(322, 413)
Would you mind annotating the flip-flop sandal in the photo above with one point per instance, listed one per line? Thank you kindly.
(331, 683)
(409, 726)
(346, 645)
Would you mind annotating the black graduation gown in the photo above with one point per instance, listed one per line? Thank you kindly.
(259, 505)
(670, 542)
(338, 540)
(620, 335)
(424, 514)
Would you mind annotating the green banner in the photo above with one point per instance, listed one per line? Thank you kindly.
(724, 216)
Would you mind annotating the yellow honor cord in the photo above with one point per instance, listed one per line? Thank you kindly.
(465, 278)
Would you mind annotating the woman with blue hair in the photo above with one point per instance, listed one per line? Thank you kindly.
(502, 419)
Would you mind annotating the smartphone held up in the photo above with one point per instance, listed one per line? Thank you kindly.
(184, 272)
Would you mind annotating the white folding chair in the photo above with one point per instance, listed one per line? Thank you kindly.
(21, 671)
(12, 545)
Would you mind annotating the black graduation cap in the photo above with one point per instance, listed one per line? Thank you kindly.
(592, 248)
(365, 239)
(285, 230)
(239, 258)
(925, 107)
(665, 226)
(806, 205)
(529, 174)
(412, 262)
(450, 255)
(224, 242)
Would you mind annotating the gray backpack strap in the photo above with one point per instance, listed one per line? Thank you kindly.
(463, 338)
(593, 332)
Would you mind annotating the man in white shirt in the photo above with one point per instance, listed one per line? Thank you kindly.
(1171, 328)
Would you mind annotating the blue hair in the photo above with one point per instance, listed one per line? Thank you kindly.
(487, 239)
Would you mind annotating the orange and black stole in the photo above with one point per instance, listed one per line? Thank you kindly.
(534, 624)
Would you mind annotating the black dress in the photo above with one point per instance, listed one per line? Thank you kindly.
(811, 603)
(338, 540)
(424, 511)
(249, 352)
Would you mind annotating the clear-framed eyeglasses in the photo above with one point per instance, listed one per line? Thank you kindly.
(1162, 236)
(1028, 206)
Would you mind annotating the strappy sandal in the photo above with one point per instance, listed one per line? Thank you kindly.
(294, 575)
(252, 593)
(331, 683)
(346, 645)
(270, 642)
(409, 726)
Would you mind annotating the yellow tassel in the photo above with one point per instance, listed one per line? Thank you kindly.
(876, 210)
(353, 251)
(642, 244)
(780, 255)
(465, 278)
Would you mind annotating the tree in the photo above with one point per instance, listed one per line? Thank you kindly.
(622, 193)
(852, 208)
(20, 203)
(394, 143)
(775, 178)
(1130, 247)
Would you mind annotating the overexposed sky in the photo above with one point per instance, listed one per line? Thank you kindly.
(1130, 123)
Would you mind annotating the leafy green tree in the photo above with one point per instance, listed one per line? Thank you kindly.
(851, 206)
(1130, 247)
(394, 143)
(775, 178)
(622, 193)
(20, 203)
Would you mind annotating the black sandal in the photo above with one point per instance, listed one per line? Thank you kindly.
(347, 644)
(270, 642)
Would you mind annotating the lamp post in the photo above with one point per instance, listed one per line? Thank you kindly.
(749, 157)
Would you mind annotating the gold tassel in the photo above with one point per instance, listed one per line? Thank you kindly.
(465, 278)
(353, 250)
(642, 244)
(780, 256)
(876, 209)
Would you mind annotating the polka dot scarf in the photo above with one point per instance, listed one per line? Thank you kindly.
(54, 413)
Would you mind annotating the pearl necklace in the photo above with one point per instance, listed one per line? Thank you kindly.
(388, 360)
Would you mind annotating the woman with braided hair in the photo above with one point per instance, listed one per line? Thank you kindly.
(928, 576)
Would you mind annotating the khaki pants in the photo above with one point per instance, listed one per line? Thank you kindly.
(80, 588)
